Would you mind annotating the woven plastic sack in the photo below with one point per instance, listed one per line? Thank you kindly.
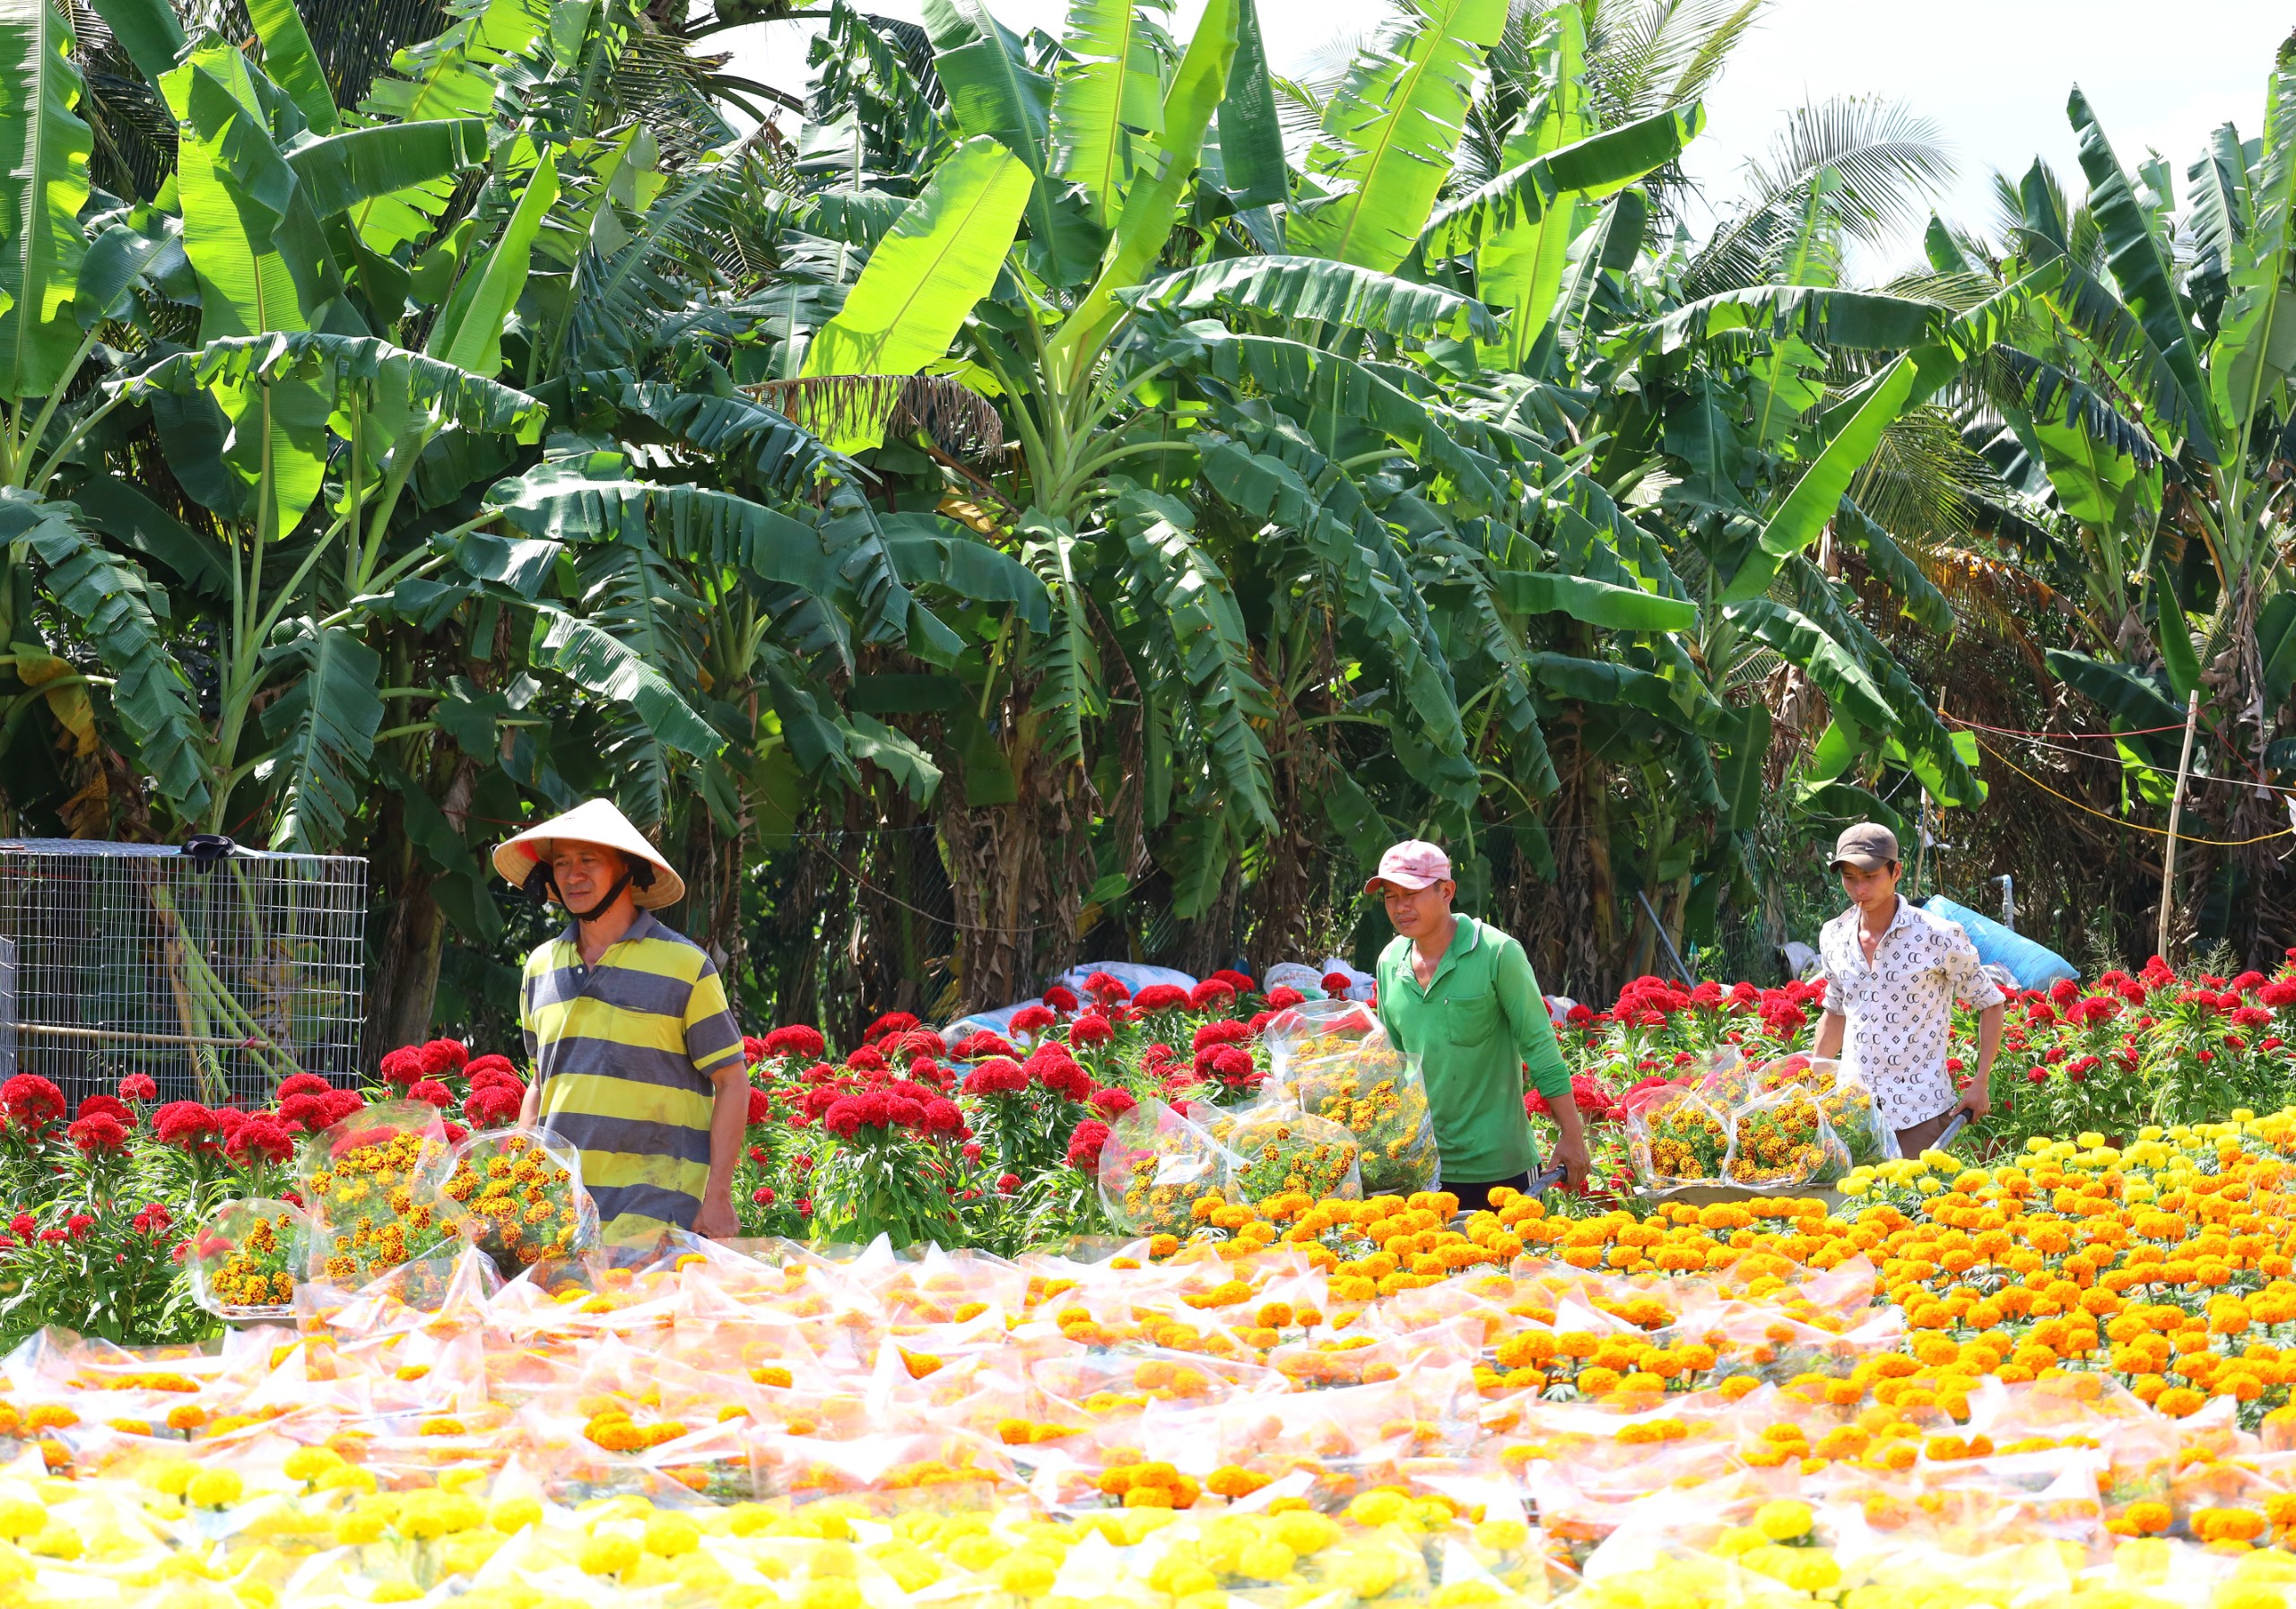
(1279, 1150)
(1376, 1094)
(1155, 1167)
(1782, 1141)
(360, 1178)
(514, 1194)
(1316, 1028)
(246, 1257)
(1676, 1138)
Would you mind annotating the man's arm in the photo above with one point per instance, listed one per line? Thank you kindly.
(1977, 1099)
(729, 1119)
(1524, 1009)
(1831, 1026)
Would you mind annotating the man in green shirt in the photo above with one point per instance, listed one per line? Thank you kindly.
(1459, 995)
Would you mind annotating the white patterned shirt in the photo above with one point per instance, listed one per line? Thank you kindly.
(1900, 1007)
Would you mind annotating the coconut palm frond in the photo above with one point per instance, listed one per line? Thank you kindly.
(960, 422)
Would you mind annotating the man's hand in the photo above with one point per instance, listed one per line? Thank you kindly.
(1570, 1143)
(1977, 1099)
(717, 1220)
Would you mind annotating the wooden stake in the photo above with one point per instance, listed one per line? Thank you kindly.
(2176, 814)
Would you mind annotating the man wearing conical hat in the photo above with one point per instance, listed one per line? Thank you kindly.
(637, 1062)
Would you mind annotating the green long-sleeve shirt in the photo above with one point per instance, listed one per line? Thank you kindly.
(1480, 1020)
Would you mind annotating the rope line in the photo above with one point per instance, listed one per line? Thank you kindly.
(2212, 843)
(2138, 765)
(2014, 732)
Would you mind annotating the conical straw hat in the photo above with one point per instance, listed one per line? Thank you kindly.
(593, 821)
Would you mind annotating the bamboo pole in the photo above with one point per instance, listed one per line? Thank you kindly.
(2175, 814)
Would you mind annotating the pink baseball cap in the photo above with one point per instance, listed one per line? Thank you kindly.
(1412, 865)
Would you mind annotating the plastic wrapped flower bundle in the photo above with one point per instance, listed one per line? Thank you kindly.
(2048, 1380)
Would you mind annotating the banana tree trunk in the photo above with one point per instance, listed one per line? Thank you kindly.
(406, 984)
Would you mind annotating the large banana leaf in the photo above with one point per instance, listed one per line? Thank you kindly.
(930, 269)
(2120, 691)
(387, 377)
(1174, 581)
(1821, 314)
(148, 30)
(1390, 130)
(290, 62)
(2256, 341)
(1742, 775)
(113, 603)
(936, 552)
(1924, 603)
(714, 527)
(1338, 388)
(1601, 681)
(324, 721)
(2139, 263)
(347, 171)
(1590, 168)
(1799, 640)
(1109, 90)
(43, 148)
(736, 430)
(995, 93)
(468, 332)
(603, 667)
(1168, 162)
(1597, 603)
(1312, 291)
(1252, 164)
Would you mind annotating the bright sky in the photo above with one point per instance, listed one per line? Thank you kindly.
(1992, 74)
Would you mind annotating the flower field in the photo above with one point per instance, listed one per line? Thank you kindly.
(2064, 1362)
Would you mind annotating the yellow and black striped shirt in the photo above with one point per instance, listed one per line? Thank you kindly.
(625, 1055)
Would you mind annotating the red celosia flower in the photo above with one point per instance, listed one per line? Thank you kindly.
(1060, 1074)
(98, 1134)
(1085, 1143)
(760, 1106)
(111, 1105)
(304, 1111)
(1090, 1029)
(1233, 1066)
(865, 1060)
(1006, 1183)
(260, 1139)
(154, 1219)
(493, 1105)
(443, 1056)
(301, 1083)
(1283, 996)
(1106, 989)
(31, 1101)
(402, 1065)
(139, 1087)
(941, 1118)
(1061, 998)
(490, 1065)
(1227, 1030)
(763, 1195)
(981, 1043)
(186, 1125)
(1113, 1103)
(1213, 994)
(799, 1039)
(998, 1075)
(915, 1042)
(432, 1090)
(895, 1022)
(1337, 984)
(1032, 1019)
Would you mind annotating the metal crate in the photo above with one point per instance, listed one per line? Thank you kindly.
(216, 975)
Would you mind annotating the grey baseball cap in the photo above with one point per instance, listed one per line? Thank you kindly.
(1867, 846)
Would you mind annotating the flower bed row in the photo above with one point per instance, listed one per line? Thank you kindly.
(2045, 1380)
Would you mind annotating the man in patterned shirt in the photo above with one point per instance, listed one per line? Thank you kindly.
(1892, 972)
(637, 1063)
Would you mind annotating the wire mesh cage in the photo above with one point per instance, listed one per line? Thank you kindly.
(216, 973)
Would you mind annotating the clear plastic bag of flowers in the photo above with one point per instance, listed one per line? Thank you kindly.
(1782, 1140)
(1845, 1099)
(1676, 1138)
(1279, 1150)
(1724, 1078)
(1155, 1167)
(1376, 1094)
(514, 1194)
(1316, 1028)
(246, 1257)
(359, 1176)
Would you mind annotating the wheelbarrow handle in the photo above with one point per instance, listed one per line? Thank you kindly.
(1540, 1183)
(1960, 1121)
